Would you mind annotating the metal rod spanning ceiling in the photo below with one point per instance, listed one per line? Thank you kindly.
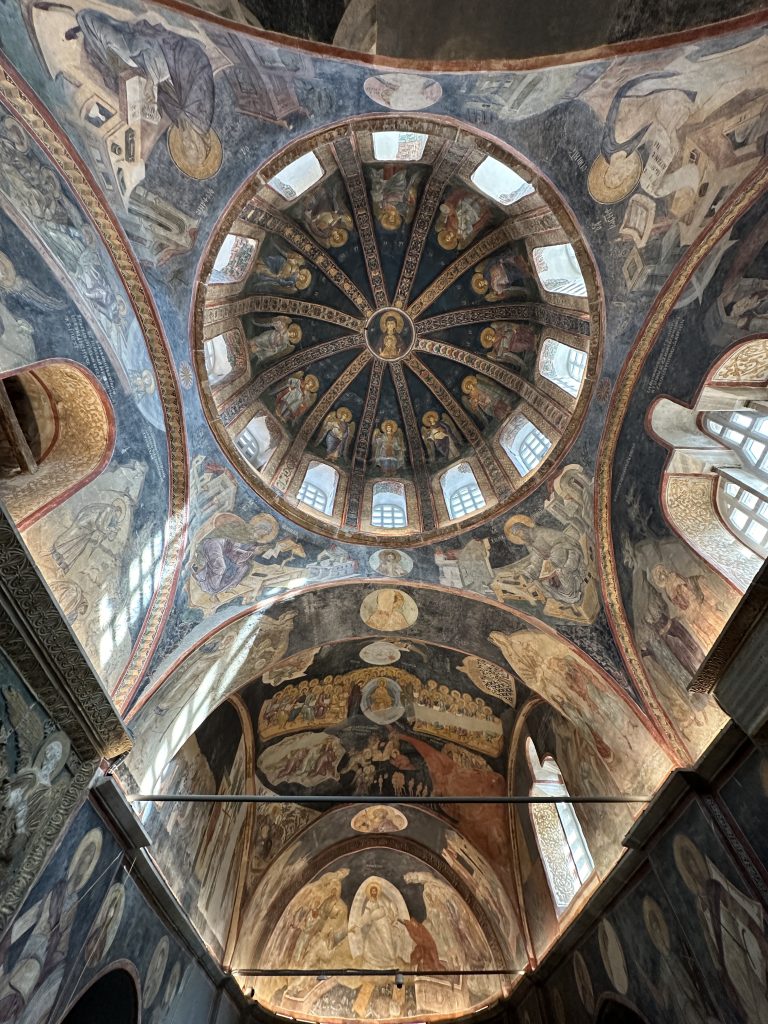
(343, 972)
(314, 798)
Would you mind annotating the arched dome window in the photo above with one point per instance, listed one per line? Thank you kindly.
(255, 441)
(563, 365)
(558, 270)
(318, 489)
(398, 145)
(745, 431)
(745, 510)
(233, 260)
(525, 444)
(388, 507)
(500, 182)
(461, 491)
(564, 852)
(217, 358)
(297, 177)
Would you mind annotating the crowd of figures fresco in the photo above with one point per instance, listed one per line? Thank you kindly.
(252, 648)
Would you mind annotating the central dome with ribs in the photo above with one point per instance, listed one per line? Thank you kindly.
(397, 330)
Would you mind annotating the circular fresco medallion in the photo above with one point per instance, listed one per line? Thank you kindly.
(391, 562)
(381, 700)
(389, 610)
(390, 334)
(379, 819)
(380, 652)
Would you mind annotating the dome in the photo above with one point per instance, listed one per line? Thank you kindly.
(397, 330)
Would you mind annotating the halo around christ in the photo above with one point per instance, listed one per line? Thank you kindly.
(390, 334)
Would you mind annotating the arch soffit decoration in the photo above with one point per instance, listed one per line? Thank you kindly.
(747, 570)
(736, 205)
(324, 857)
(188, 688)
(20, 102)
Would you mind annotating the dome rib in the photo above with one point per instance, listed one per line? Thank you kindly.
(389, 319)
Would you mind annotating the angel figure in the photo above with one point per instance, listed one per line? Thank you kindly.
(337, 432)
(285, 271)
(504, 341)
(25, 796)
(279, 337)
(501, 277)
(326, 215)
(483, 399)
(462, 217)
(21, 289)
(296, 396)
(388, 446)
(394, 194)
(440, 436)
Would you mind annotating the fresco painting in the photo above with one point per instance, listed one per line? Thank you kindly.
(83, 914)
(378, 913)
(54, 271)
(574, 620)
(199, 847)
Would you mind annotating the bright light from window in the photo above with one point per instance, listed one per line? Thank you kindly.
(233, 259)
(398, 145)
(461, 491)
(567, 861)
(558, 270)
(255, 441)
(500, 182)
(563, 365)
(297, 177)
(388, 507)
(318, 489)
(525, 444)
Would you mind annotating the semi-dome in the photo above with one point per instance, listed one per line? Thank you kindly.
(397, 331)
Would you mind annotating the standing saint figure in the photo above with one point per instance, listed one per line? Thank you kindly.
(388, 446)
(337, 432)
(296, 396)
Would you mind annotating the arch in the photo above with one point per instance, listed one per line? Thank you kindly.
(114, 991)
(318, 488)
(615, 1010)
(714, 488)
(461, 491)
(524, 444)
(69, 424)
(389, 508)
(568, 864)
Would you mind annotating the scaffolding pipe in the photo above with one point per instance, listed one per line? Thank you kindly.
(315, 798)
(343, 972)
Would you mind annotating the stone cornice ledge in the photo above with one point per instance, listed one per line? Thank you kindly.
(37, 638)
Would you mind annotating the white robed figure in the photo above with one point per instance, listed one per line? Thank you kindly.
(378, 937)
